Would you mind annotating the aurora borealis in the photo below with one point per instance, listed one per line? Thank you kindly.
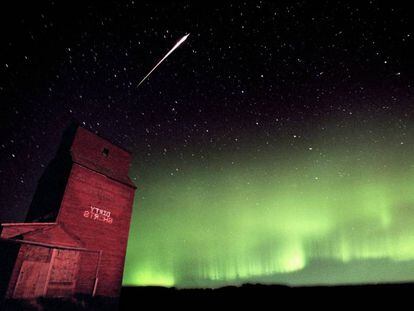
(264, 219)
(275, 146)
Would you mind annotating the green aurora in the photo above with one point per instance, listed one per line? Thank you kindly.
(330, 209)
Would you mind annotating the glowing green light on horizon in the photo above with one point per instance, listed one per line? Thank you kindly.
(284, 220)
(149, 278)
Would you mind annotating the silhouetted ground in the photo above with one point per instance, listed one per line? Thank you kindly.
(256, 297)
(280, 297)
(61, 304)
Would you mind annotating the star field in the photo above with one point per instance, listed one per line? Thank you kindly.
(287, 127)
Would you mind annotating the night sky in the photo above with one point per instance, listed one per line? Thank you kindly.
(275, 145)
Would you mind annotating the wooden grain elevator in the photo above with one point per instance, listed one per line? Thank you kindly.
(75, 236)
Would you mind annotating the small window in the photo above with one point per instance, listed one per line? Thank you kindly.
(105, 152)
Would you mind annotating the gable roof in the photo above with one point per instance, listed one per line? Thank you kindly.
(100, 155)
(11, 230)
(51, 233)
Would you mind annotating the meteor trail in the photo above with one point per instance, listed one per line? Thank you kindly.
(166, 55)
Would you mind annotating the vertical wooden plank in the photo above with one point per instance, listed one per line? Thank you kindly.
(31, 279)
(52, 259)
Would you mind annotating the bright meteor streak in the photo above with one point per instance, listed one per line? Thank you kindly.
(166, 55)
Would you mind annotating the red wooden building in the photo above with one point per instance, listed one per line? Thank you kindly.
(75, 237)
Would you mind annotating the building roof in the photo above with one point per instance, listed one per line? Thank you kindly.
(99, 155)
(53, 233)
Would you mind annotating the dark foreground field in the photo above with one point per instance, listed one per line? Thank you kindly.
(282, 297)
(389, 296)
